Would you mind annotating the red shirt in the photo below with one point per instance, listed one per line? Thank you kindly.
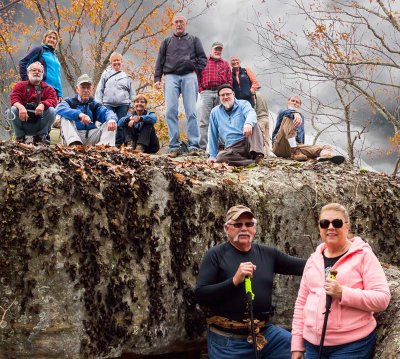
(216, 73)
(48, 95)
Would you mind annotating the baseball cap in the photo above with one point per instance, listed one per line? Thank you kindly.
(217, 44)
(236, 211)
(84, 79)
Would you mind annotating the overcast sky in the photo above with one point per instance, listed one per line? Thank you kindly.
(229, 21)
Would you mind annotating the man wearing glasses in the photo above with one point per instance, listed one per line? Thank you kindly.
(220, 286)
(33, 103)
(288, 137)
(235, 123)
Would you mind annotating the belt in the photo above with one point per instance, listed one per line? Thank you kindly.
(226, 334)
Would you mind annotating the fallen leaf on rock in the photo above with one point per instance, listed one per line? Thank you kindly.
(179, 177)
(228, 181)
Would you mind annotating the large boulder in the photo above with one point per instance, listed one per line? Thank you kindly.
(100, 248)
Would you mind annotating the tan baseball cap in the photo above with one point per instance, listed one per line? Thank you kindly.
(236, 211)
(84, 79)
(217, 44)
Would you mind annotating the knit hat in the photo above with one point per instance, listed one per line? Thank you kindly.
(224, 86)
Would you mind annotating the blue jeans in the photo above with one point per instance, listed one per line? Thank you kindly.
(40, 127)
(360, 349)
(187, 86)
(278, 346)
(120, 111)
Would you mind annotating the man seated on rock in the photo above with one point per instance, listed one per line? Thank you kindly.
(288, 137)
(85, 121)
(220, 286)
(235, 123)
(32, 106)
(138, 127)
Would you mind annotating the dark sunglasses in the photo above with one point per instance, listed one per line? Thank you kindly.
(336, 223)
(240, 224)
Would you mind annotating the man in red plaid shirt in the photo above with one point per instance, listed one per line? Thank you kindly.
(216, 73)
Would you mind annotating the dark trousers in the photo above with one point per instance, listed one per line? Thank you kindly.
(144, 135)
(244, 152)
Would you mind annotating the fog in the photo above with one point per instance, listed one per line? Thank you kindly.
(231, 22)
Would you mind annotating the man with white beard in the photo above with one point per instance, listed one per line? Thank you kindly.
(235, 123)
(33, 103)
(220, 286)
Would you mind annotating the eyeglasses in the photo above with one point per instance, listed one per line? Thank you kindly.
(336, 223)
(240, 224)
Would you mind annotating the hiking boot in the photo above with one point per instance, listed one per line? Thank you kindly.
(75, 143)
(259, 160)
(337, 159)
(297, 156)
(131, 144)
(174, 153)
(140, 148)
(41, 139)
(194, 152)
(21, 139)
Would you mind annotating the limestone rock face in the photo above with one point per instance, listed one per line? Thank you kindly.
(99, 249)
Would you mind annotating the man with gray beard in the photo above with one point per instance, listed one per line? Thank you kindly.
(220, 286)
(235, 123)
(33, 104)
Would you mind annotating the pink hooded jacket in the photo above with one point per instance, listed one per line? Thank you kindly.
(364, 291)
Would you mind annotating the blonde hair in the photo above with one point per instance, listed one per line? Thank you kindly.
(115, 55)
(140, 96)
(336, 207)
(47, 33)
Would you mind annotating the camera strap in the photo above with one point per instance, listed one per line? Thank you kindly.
(38, 91)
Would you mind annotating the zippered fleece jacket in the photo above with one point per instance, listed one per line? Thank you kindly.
(19, 94)
(115, 88)
(364, 291)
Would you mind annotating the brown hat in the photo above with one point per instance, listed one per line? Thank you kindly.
(236, 211)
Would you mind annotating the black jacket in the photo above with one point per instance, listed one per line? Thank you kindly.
(180, 55)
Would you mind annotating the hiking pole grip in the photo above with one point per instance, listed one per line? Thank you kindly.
(250, 297)
(332, 275)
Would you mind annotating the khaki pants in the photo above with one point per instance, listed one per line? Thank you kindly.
(96, 136)
(281, 146)
(263, 120)
(244, 152)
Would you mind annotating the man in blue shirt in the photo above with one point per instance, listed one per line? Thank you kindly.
(288, 137)
(235, 123)
(85, 121)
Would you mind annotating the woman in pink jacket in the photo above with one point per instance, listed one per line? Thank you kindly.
(359, 290)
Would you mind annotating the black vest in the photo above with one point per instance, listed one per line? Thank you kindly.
(242, 90)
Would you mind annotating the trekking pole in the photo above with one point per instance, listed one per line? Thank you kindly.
(250, 298)
(332, 275)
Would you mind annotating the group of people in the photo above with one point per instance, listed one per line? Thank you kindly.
(357, 291)
(224, 115)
